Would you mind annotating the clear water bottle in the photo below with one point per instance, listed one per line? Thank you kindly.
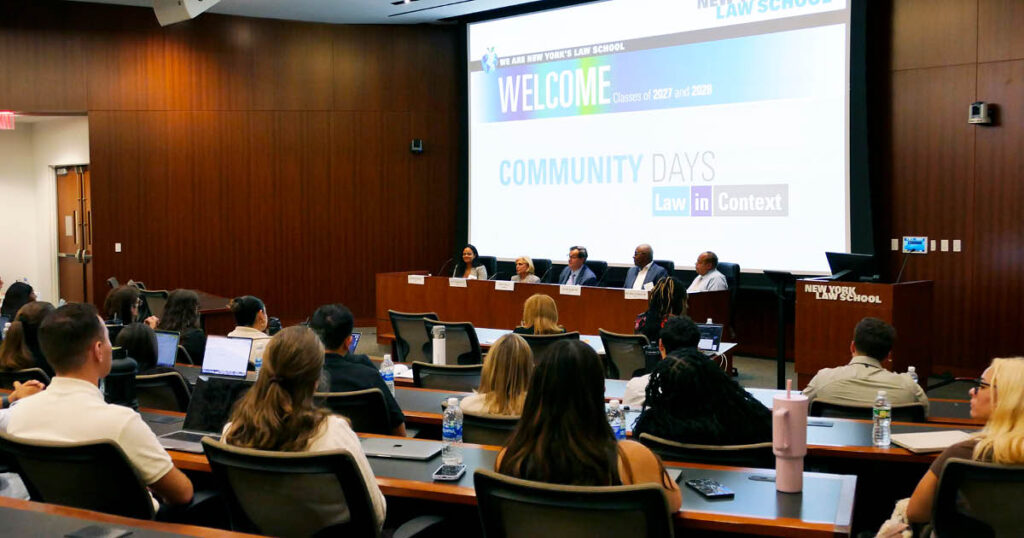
(451, 433)
(7, 325)
(882, 415)
(912, 372)
(387, 371)
(617, 420)
(257, 363)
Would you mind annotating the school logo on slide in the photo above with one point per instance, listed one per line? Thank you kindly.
(490, 61)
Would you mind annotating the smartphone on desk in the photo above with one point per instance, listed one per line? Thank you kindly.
(449, 472)
(710, 489)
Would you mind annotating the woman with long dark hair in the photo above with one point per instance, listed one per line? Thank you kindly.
(139, 342)
(18, 295)
(181, 314)
(563, 435)
(668, 298)
(21, 349)
(469, 266)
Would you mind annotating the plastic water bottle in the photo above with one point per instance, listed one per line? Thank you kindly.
(912, 372)
(7, 325)
(257, 363)
(617, 420)
(882, 415)
(387, 371)
(451, 433)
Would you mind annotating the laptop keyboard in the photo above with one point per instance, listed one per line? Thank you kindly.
(189, 437)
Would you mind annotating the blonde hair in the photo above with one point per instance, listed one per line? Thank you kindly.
(1002, 439)
(506, 376)
(528, 261)
(541, 313)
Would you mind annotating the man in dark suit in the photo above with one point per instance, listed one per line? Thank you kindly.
(644, 266)
(577, 273)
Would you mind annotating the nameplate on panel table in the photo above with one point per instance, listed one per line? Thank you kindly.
(504, 285)
(418, 280)
(568, 289)
(456, 282)
(636, 294)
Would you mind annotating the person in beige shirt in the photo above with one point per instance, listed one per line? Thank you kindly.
(251, 317)
(858, 382)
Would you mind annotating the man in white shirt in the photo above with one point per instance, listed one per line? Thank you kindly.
(71, 409)
(251, 320)
(678, 333)
(708, 277)
(644, 274)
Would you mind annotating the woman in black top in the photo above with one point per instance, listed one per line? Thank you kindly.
(181, 313)
(668, 298)
(16, 297)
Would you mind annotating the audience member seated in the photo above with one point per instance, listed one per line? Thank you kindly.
(577, 273)
(858, 382)
(691, 400)
(122, 305)
(278, 414)
(139, 342)
(21, 349)
(21, 390)
(679, 333)
(563, 436)
(525, 271)
(17, 296)
(540, 316)
(181, 314)
(348, 372)
(708, 278)
(668, 298)
(645, 273)
(72, 409)
(470, 266)
(504, 379)
(251, 319)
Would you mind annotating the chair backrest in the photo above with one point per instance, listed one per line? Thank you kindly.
(183, 356)
(668, 265)
(752, 455)
(539, 343)
(95, 475)
(599, 268)
(541, 266)
(486, 429)
(624, 353)
(365, 409)
(167, 391)
(978, 499)
(7, 378)
(490, 263)
(119, 385)
(292, 493)
(112, 282)
(447, 377)
(911, 412)
(510, 508)
(153, 302)
(461, 345)
(411, 336)
(732, 277)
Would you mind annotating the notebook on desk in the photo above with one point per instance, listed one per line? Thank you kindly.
(710, 338)
(167, 347)
(208, 412)
(935, 441)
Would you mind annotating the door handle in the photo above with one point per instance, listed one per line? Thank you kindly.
(74, 218)
(90, 227)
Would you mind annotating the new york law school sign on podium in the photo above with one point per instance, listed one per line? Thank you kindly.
(827, 312)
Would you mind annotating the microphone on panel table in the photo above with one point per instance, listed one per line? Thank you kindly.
(440, 271)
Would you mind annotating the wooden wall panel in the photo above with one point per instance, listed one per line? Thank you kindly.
(930, 33)
(999, 30)
(25, 86)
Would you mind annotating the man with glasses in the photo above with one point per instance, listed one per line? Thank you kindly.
(858, 382)
(577, 273)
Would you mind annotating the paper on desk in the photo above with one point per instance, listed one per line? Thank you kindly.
(403, 371)
(935, 441)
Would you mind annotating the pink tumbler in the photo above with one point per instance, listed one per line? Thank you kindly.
(789, 440)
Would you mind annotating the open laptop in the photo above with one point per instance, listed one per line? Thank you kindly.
(167, 347)
(208, 412)
(227, 357)
(355, 342)
(710, 338)
(382, 447)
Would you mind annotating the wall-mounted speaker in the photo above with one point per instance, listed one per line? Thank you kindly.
(172, 11)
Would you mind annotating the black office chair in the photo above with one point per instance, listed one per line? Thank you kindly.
(542, 268)
(365, 409)
(911, 412)
(411, 337)
(446, 377)
(7, 378)
(624, 354)
(539, 343)
(119, 385)
(153, 302)
(182, 356)
(167, 391)
(599, 268)
(753, 455)
(461, 345)
(485, 429)
(732, 278)
(112, 282)
(978, 499)
(94, 475)
(513, 507)
(668, 265)
(490, 263)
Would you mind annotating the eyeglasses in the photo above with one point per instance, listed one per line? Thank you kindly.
(977, 383)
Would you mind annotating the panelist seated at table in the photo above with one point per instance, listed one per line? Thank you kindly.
(668, 298)
(540, 316)
(563, 436)
(708, 278)
(525, 271)
(577, 273)
(346, 372)
(469, 265)
(278, 414)
(504, 379)
(72, 410)
(690, 399)
(858, 382)
(251, 322)
(679, 333)
(181, 314)
(645, 273)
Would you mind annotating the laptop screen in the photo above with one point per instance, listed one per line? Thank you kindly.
(211, 403)
(355, 343)
(710, 336)
(226, 356)
(167, 348)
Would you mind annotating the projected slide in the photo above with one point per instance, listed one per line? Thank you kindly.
(688, 124)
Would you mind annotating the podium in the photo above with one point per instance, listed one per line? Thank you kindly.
(827, 312)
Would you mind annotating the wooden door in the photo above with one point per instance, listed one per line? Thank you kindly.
(74, 234)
